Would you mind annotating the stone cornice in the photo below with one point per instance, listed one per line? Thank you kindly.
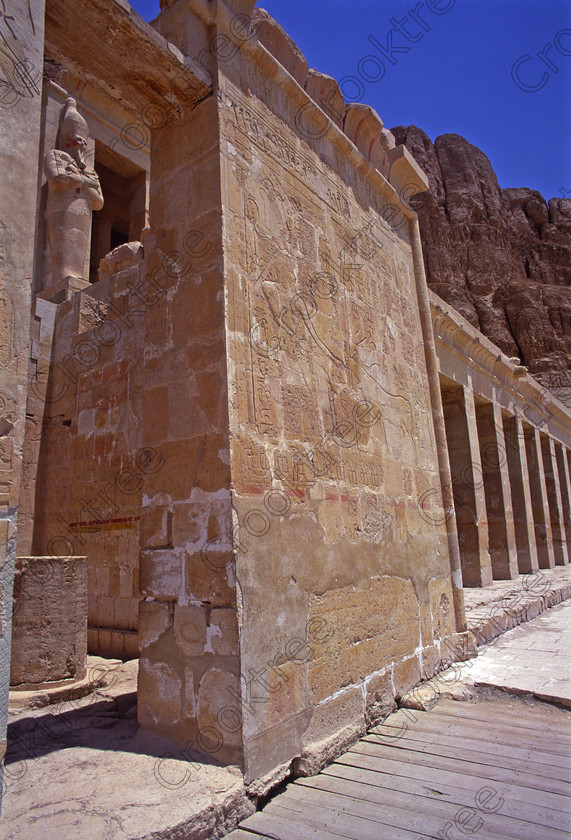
(106, 39)
(221, 15)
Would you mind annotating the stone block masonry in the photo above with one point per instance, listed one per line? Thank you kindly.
(245, 418)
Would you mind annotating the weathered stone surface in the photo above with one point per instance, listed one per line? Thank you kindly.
(363, 126)
(406, 674)
(151, 787)
(379, 698)
(121, 258)
(431, 661)
(424, 697)
(154, 527)
(325, 91)
(501, 257)
(366, 634)
(334, 726)
(216, 692)
(222, 632)
(276, 40)
(160, 574)
(190, 629)
(49, 630)
(442, 608)
(20, 138)
(159, 689)
(154, 619)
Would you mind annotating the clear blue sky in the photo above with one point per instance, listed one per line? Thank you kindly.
(456, 78)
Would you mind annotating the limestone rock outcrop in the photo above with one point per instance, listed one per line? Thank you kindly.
(501, 257)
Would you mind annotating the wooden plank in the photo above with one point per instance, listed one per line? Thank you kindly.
(524, 826)
(479, 732)
(347, 826)
(517, 802)
(523, 716)
(459, 753)
(484, 771)
(428, 773)
(347, 813)
(533, 727)
(282, 822)
(551, 716)
(541, 733)
(240, 834)
(276, 827)
(433, 733)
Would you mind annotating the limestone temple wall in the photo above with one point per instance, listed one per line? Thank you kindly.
(20, 133)
(331, 423)
(245, 416)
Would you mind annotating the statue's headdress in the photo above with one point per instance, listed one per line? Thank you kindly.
(70, 122)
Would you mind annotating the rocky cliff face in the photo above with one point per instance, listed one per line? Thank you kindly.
(501, 257)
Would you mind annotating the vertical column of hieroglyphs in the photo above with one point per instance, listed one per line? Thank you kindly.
(21, 49)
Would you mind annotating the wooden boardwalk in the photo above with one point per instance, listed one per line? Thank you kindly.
(492, 770)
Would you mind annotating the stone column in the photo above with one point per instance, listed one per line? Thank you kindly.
(554, 500)
(22, 31)
(497, 490)
(565, 484)
(539, 503)
(49, 632)
(468, 486)
(521, 495)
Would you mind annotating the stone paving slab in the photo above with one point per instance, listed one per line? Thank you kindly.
(532, 658)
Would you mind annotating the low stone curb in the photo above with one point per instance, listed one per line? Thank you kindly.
(499, 618)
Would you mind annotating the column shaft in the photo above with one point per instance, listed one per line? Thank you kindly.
(521, 495)
(540, 508)
(497, 491)
(565, 484)
(468, 486)
(554, 500)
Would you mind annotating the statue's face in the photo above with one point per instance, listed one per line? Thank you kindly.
(75, 141)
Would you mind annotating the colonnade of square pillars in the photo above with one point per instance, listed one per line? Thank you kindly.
(511, 487)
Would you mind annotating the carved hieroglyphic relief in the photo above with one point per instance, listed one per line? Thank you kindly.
(327, 311)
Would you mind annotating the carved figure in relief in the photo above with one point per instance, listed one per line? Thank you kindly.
(74, 192)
